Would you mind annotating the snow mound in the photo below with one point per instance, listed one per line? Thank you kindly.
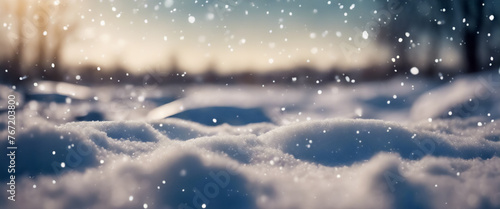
(404, 143)
(212, 116)
(302, 165)
(465, 97)
(343, 142)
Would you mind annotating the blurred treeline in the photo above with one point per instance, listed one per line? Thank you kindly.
(420, 33)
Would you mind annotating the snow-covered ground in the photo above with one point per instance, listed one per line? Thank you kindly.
(402, 143)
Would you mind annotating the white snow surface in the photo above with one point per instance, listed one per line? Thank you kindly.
(344, 148)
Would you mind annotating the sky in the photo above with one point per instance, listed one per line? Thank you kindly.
(232, 36)
(226, 35)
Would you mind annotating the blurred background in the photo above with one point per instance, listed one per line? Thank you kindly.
(168, 41)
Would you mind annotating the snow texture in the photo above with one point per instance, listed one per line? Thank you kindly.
(265, 150)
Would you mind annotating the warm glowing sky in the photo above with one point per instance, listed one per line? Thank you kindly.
(258, 35)
(261, 35)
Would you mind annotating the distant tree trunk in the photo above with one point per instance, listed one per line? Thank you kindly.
(54, 73)
(473, 12)
(58, 27)
(41, 62)
(16, 65)
(432, 66)
(42, 26)
(472, 65)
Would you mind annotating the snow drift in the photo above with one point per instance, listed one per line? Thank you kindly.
(392, 145)
(304, 165)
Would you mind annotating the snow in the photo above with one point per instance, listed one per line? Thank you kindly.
(414, 70)
(365, 34)
(191, 19)
(252, 147)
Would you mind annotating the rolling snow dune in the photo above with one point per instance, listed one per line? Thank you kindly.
(332, 163)
(404, 143)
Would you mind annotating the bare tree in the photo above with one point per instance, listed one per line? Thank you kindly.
(473, 10)
(42, 27)
(419, 33)
(16, 39)
(52, 36)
